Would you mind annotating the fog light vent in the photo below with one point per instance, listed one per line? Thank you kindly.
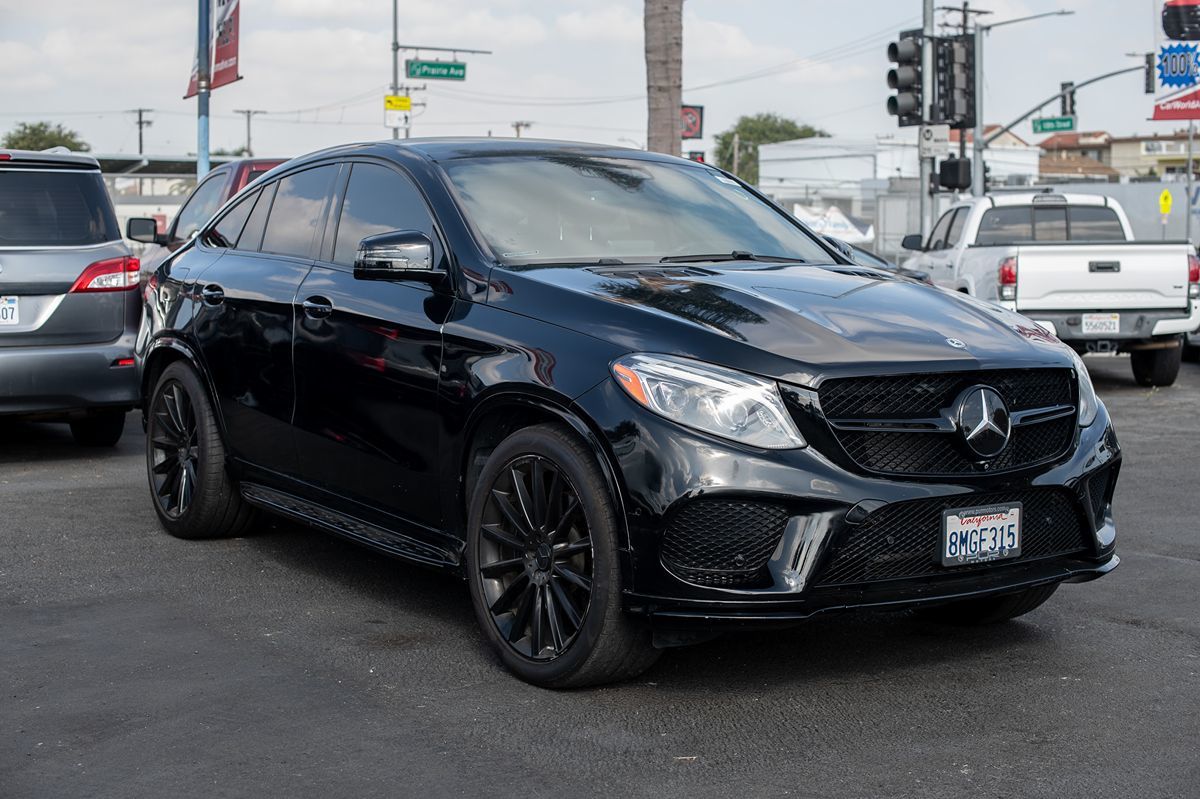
(723, 542)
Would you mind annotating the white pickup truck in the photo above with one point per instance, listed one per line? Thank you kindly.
(1069, 262)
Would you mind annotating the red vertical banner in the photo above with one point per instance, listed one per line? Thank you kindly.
(225, 53)
(224, 57)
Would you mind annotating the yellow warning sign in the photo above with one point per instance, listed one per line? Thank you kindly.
(397, 102)
(1164, 202)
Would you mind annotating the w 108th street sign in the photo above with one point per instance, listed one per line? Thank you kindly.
(435, 70)
(1054, 124)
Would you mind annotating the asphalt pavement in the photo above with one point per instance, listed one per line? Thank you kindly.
(290, 663)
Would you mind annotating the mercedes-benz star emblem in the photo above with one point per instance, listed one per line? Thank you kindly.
(956, 344)
(983, 421)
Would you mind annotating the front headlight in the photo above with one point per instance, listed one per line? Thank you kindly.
(1089, 403)
(716, 400)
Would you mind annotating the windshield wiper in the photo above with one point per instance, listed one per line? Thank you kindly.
(736, 255)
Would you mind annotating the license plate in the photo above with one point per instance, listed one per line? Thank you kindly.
(1101, 323)
(980, 535)
(9, 311)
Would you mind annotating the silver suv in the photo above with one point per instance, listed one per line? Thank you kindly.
(69, 306)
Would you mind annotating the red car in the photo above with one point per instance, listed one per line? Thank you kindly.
(1181, 19)
(210, 194)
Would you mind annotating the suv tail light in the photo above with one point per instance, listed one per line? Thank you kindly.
(1008, 279)
(1193, 277)
(113, 274)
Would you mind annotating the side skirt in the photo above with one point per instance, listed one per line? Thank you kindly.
(321, 517)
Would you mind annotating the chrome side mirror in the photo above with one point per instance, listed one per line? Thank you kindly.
(395, 255)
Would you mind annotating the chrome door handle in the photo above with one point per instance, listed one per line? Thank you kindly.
(317, 307)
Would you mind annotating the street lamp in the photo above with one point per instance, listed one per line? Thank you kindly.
(977, 176)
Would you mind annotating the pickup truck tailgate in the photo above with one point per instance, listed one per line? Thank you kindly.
(1111, 276)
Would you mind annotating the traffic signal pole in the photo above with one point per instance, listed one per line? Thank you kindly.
(203, 78)
(926, 111)
(978, 173)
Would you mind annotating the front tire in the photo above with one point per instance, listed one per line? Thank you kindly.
(102, 429)
(989, 610)
(193, 494)
(544, 566)
(1156, 367)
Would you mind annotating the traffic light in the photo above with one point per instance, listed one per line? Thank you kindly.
(1151, 82)
(1068, 99)
(954, 81)
(905, 78)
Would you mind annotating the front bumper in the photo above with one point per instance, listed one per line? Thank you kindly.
(68, 380)
(662, 467)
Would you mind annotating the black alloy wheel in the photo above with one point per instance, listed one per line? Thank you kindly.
(194, 496)
(544, 564)
(175, 449)
(535, 558)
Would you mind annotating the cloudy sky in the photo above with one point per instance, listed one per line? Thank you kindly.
(574, 68)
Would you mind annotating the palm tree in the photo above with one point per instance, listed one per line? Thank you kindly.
(664, 73)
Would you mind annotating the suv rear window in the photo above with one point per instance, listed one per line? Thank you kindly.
(1016, 223)
(55, 209)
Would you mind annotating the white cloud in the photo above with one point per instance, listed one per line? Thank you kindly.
(608, 24)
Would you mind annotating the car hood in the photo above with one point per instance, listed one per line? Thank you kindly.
(790, 321)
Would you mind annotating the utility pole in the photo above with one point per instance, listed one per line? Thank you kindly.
(141, 123)
(203, 79)
(519, 126)
(396, 65)
(249, 112)
(737, 146)
(1188, 205)
(926, 112)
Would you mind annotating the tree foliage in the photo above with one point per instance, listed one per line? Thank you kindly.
(43, 136)
(753, 131)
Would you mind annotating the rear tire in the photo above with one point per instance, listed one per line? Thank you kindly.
(545, 576)
(1156, 367)
(192, 493)
(989, 610)
(103, 429)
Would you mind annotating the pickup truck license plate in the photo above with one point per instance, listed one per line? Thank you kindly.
(979, 535)
(1101, 323)
(9, 311)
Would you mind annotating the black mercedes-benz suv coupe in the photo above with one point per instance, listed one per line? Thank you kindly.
(630, 400)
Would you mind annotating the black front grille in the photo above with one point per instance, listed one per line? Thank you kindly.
(723, 542)
(931, 397)
(902, 540)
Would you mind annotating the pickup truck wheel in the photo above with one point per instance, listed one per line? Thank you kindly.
(1156, 367)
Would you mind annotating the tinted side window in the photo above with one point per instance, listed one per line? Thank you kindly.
(203, 203)
(1005, 225)
(229, 227)
(252, 233)
(956, 227)
(297, 211)
(378, 200)
(1093, 223)
(937, 238)
(1050, 224)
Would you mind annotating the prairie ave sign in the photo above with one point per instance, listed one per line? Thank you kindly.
(1054, 125)
(435, 70)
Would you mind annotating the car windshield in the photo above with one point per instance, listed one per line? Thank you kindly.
(563, 207)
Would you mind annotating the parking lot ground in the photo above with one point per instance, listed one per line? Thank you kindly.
(290, 663)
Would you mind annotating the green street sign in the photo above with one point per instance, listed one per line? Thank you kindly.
(1054, 125)
(436, 70)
